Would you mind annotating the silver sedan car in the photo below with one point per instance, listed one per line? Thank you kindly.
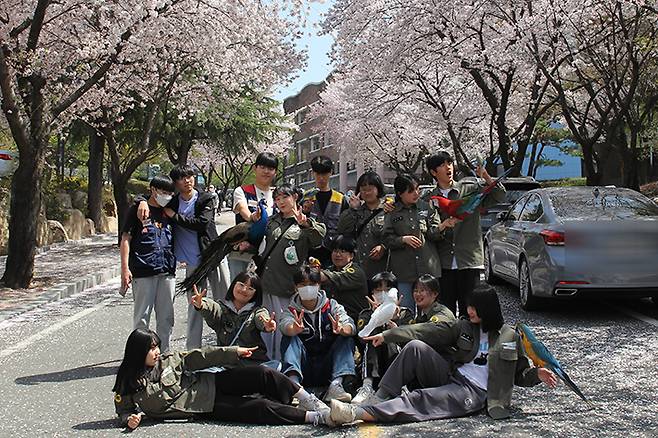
(565, 242)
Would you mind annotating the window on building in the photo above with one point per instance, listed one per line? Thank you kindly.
(315, 144)
(302, 151)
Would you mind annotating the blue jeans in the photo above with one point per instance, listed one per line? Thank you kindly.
(320, 369)
(406, 290)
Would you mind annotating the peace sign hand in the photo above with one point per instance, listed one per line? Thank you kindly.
(337, 327)
(355, 201)
(298, 325)
(270, 324)
(197, 298)
(301, 218)
(373, 303)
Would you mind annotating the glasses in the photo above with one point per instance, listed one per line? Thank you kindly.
(241, 285)
(341, 251)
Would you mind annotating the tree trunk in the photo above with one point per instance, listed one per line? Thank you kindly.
(95, 186)
(23, 219)
(120, 191)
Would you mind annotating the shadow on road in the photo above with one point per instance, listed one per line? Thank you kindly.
(79, 373)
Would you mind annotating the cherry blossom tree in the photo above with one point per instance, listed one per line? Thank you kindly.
(97, 59)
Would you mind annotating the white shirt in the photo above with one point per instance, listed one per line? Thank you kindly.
(477, 371)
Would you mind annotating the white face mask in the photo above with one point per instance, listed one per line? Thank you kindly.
(162, 200)
(308, 293)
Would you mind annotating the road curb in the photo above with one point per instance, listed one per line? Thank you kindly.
(61, 291)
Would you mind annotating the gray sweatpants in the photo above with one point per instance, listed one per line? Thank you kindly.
(442, 394)
(157, 293)
(218, 289)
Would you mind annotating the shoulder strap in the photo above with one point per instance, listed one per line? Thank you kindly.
(249, 189)
(363, 225)
(260, 261)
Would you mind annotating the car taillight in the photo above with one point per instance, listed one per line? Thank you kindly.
(5, 157)
(552, 238)
(562, 283)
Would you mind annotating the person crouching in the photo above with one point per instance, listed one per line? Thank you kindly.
(317, 345)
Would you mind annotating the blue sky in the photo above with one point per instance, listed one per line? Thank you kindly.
(318, 53)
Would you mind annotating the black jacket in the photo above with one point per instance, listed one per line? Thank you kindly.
(203, 221)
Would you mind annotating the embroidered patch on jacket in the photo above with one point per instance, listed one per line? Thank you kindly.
(508, 345)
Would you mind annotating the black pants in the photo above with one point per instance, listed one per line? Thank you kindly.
(456, 286)
(272, 408)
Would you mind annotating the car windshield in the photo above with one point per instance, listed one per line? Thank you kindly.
(513, 195)
(602, 204)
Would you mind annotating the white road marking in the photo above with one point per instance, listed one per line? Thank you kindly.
(636, 315)
(52, 329)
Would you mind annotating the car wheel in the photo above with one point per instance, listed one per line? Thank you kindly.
(489, 275)
(528, 300)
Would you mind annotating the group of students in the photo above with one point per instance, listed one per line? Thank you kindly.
(328, 263)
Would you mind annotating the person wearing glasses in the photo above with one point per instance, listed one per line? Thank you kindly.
(240, 319)
(345, 281)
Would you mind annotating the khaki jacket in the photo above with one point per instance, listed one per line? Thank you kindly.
(226, 323)
(371, 235)
(464, 241)
(179, 392)
(277, 276)
(407, 263)
(349, 287)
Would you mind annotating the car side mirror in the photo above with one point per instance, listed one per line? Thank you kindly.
(500, 217)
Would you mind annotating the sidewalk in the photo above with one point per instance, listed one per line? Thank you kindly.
(62, 270)
(68, 268)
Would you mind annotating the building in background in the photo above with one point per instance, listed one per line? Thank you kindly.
(311, 140)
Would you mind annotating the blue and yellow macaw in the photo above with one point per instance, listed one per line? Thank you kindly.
(541, 357)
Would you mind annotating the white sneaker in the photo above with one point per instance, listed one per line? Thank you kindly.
(337, 392)
(372, 399)
(342, 413)
(324, 417)
(364, 393)
(312, 403)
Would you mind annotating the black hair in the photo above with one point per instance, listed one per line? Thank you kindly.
(371, 178)
(322, 164)
(387, 278)
(429, 282)
(404, 182)
(436, 160)
(133, 368)
(250, 278)
(288, 190)
(344, 243)
(267, 159)
(162, 182)
(486, 304)
(306, 273)
(181, 171)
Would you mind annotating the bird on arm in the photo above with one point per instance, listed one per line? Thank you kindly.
(464, 207)
(211, 257)
(542, 358)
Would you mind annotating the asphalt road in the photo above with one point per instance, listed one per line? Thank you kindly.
(57, 367)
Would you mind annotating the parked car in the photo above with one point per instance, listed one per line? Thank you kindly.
(8, 162)
(570, 241)
(515, 187)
